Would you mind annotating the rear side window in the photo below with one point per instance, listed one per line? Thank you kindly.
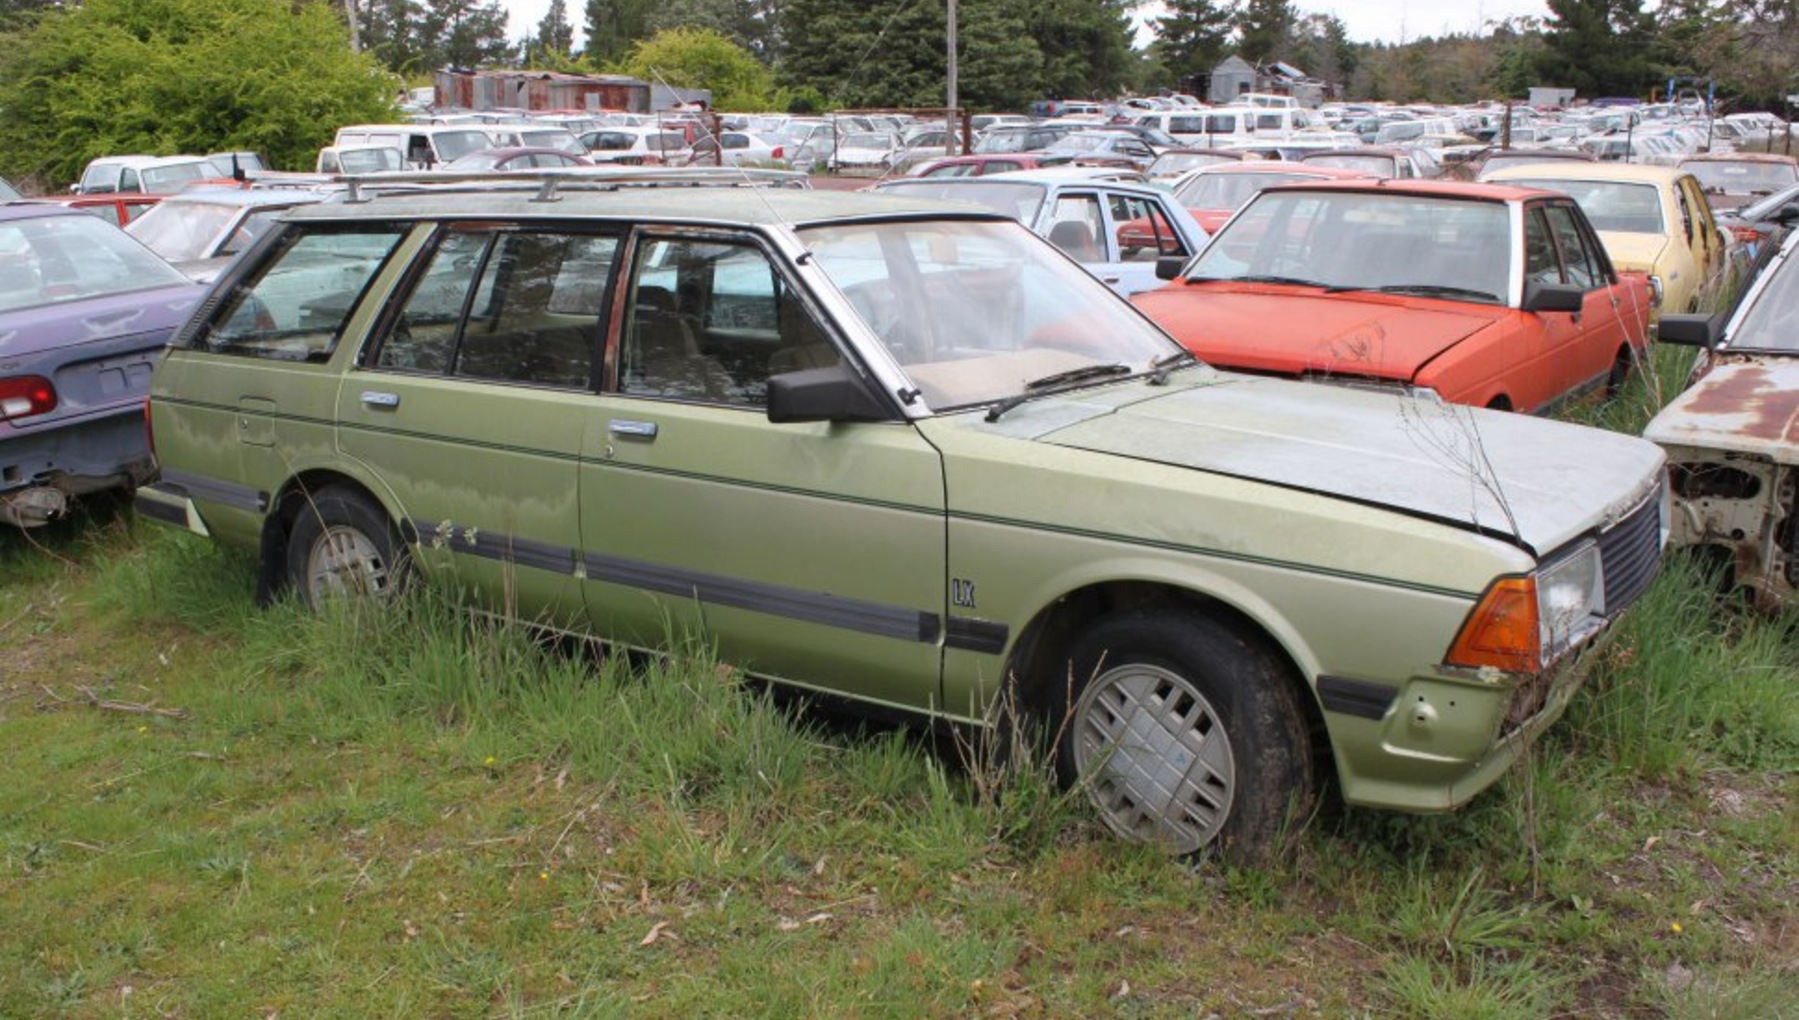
(293, 303)
(507, 306)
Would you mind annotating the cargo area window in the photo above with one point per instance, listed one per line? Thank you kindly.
(293, 304)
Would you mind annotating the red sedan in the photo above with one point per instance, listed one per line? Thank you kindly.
(1485, 294)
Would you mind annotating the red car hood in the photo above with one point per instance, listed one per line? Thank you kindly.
(1289, 331)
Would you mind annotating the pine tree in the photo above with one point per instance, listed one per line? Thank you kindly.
(554, 33)
(1192, 37)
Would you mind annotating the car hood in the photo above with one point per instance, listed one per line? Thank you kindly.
(1381, 336)
(1536, 482)
(1633, 251)
(155, 313)
(1747, 403)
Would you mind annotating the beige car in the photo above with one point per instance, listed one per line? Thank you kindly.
(1653, 219)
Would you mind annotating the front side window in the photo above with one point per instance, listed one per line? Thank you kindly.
(1076, 228)
(515, 306)
(1144, 233)
(1579, 261)
(710, 321)
(293, 304)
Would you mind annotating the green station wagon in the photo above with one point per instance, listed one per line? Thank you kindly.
(908, 454)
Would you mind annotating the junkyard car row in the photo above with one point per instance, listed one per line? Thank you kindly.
(923, 455)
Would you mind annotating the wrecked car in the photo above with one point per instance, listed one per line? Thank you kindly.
(1733, 435)
(906, 453)
(85, 311)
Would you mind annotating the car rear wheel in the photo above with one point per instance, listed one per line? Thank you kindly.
(342, 546)
(1185, 734)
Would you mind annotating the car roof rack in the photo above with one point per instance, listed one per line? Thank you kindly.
(550, 182)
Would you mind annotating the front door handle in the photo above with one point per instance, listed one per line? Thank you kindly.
(375, 398)
(632, 429)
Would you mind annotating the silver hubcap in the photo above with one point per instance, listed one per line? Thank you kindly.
(344, 561)
(1155, 757)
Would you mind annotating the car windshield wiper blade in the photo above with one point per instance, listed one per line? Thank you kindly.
(1434, 290)
(1291, 280)
(1056, 380)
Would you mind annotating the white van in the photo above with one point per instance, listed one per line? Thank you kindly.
(425, 145)
(1205, 128)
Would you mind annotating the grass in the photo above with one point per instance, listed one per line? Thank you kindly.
(217, 810)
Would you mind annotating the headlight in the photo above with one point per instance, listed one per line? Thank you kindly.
(1570, 600)
(1524, 622)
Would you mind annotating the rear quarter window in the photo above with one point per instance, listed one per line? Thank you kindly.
(292, 302)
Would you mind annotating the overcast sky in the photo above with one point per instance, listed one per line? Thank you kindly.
(1388, 21)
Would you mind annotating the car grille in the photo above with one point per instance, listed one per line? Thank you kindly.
(1630, 553)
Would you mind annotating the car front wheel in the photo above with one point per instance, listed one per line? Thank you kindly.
(1186, 735)
(341, 546)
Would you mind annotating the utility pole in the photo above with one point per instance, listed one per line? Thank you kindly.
(952, 104)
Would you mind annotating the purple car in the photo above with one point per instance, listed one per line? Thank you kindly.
(85, 311)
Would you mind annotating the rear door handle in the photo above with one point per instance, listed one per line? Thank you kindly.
(375, 398)
(632, 429)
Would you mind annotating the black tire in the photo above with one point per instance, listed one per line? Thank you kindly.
(1619, 375)
(1229, 706)
(341, 544)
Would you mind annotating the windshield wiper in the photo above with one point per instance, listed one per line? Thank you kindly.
(1056, 380)
(1160, 367)
(1434, 290)
(1291, 280)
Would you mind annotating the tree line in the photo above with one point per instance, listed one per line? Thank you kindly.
(80, 78)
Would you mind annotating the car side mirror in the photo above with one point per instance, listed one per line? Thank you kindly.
(1553, 297)
(1168, 267)
(833, 393)
(1689, 330)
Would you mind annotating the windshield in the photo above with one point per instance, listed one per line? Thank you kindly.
(977, 310)
(1745, 178)
(1772, 322)
(159, 180)
(1180, 162)
(457, 144)
(1366, 240)
(866, 141)
(1228, 190)
(8, 193)
(1374, 164)
(51, 260)
(183, 231)
(1017, 199)
(363, 161)
(1002, 141)
(1626, 208)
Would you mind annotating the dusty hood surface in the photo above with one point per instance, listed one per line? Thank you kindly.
(1747, 404)
(1540, 482)
(1251, 327)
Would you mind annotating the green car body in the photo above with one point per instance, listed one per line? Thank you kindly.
(994, 469)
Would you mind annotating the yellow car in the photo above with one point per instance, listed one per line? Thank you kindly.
(1652, 219)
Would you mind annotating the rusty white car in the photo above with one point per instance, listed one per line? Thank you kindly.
(1733, 436)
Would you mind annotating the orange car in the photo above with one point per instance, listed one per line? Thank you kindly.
(1489, 295)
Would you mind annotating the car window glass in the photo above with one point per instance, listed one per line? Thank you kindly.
(1143, 231)
(295, 304)
(128, 181)
(1578, 262)
(1076, 228)
(1540, 260)
(711, 321)
(422, 336)
(513, 331)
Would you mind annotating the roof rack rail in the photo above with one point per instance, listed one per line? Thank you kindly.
(550, 182)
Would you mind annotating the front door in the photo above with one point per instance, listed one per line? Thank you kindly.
(814, 553)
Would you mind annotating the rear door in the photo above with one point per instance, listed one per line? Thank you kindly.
(468, 407)
(810, 552)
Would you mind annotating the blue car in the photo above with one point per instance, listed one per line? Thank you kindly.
(85, 312)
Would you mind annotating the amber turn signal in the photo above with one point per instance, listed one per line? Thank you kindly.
(1501, 631)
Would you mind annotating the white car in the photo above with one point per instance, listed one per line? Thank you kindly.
(737, 148)
(636, 146)
(151, 175)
